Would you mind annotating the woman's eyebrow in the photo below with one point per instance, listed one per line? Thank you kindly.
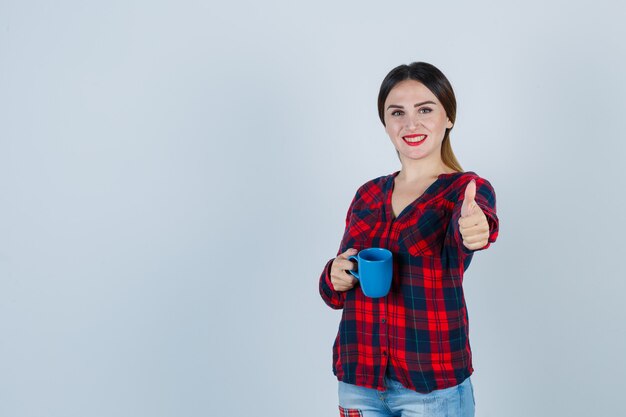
(395, 106)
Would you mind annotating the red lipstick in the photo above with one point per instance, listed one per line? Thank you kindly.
(411, 137)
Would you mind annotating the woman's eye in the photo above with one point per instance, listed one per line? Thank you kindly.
(425, 110)
(397, 113)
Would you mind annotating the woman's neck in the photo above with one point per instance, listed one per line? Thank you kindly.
(416, 171)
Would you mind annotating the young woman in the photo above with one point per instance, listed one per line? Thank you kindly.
(408, 353)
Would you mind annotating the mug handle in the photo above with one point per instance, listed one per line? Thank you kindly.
(354, 273)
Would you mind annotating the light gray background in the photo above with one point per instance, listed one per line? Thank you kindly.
(175, 174)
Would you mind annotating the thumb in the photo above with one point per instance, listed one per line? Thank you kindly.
(469, 202)
(348, 253)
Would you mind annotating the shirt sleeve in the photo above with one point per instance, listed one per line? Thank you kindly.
(335, 299)
(486, 200)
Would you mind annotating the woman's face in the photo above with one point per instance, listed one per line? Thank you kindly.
(415, 120)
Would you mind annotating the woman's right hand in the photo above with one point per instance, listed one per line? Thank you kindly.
(342, 280)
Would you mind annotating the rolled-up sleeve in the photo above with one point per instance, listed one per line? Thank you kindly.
(335, 299)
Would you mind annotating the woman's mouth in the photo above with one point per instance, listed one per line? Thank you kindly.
(414, 140)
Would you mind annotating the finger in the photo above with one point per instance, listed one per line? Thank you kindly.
(344, 264)
(472, 221)
(478, 217)
(480, 237)
(474, 231)
(345, 278)
(339, 274)
(342, 284)
(474, 246)
(469, 199)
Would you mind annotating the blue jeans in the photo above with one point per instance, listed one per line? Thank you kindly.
(398, 401)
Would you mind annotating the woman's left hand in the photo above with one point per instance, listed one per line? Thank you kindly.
(473, 222)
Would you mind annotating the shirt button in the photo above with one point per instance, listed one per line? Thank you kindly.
(384, 320)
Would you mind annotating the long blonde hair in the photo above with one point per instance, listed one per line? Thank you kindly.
(447, 155)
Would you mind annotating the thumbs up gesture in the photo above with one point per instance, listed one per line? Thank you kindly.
(473, 223)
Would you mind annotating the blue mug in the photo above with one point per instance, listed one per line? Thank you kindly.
(375, 269)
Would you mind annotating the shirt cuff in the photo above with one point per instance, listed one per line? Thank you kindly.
(332, 298)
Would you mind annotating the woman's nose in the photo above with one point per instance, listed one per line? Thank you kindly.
(412, 122)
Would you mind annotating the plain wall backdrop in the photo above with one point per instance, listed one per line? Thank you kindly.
(175, 174)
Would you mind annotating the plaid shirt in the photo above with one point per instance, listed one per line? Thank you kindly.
(419, 331)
